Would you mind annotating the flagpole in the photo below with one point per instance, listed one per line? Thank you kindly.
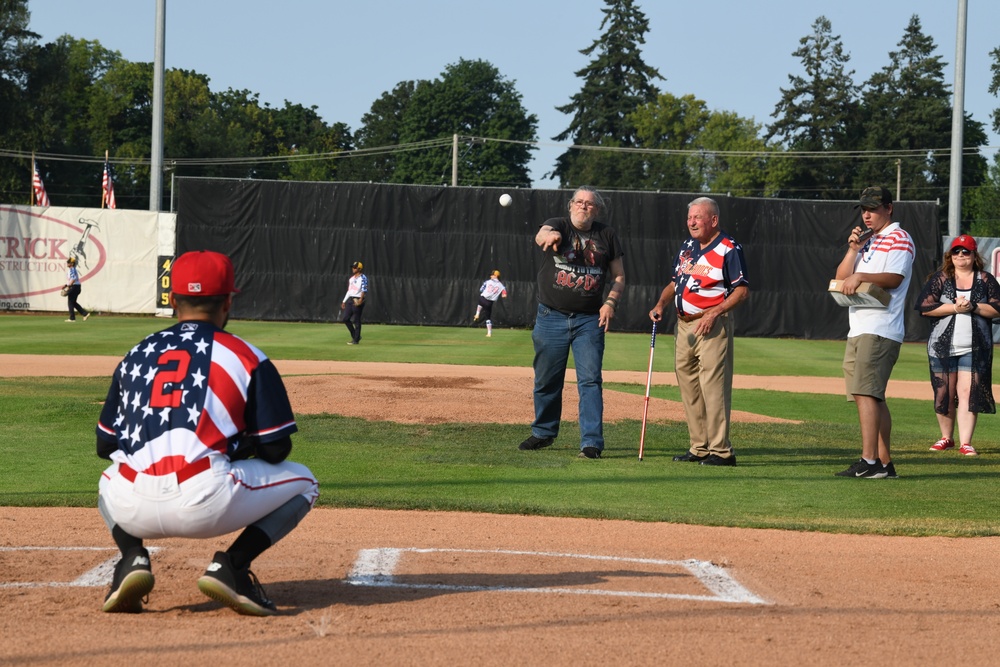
(104, 192)
(31, 188)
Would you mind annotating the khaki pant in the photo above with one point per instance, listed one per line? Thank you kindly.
(704, 368)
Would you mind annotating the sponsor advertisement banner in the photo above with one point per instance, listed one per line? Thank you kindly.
(118, 253)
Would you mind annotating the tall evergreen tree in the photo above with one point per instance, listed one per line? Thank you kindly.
(16, 42)
(907, 107)
(819, 112)
(994, 88)
(981, 204)
(615, 83)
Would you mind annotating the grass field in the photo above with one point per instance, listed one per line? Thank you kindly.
(784, 478)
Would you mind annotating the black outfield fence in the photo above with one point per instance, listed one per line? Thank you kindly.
(426, 250)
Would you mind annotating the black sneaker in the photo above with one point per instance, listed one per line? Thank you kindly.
(862, 468)
(535, 443)
(890, 471)
(688, 456)
(133, 580)
(716, 460)
(237, 589)
(589, 453)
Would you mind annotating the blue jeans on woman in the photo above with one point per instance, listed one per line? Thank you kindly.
(554, 335)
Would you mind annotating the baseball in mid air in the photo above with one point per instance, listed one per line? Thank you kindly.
(505, 200)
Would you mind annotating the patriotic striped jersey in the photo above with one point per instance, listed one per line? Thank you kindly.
(889, 251)
(704, 278)
(191, 391)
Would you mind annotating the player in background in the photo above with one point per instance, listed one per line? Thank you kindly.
(490, 291)
(73, 288)
(353, 304)
(198, 427)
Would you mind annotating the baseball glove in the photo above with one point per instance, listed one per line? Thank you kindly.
(64, 291)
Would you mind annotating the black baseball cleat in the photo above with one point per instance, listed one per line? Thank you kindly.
(589, 453)
(535, 443)
(132, 581)
(688, 456)
(716, 460)
(237, 589)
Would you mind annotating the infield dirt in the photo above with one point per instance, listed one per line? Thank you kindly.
(498, 589)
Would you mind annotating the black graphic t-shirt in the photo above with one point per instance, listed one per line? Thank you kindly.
(572, 277)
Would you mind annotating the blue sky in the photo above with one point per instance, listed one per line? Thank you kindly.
(340, 56)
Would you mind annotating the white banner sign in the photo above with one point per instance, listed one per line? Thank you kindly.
(117, 251)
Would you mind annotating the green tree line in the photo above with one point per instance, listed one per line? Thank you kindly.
(829, 136)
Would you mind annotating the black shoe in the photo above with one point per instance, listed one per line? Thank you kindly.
(237, 589)
(535, 443)
(688, 456)
(589, 453)
(890, 471)
(862, 468)
(133, 580)
(716, 460)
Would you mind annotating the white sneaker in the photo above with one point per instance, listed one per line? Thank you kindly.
(70, 320)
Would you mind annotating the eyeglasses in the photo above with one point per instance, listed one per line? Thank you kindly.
(583, 203)
(961, 251)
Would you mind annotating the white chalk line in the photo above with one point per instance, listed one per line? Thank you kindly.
(376, 567)
(99, 575)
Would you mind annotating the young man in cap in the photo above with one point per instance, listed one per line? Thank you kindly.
(197, 425)
(489, 292)
(353, 304)
(873, 341)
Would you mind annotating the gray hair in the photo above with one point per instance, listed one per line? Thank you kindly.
(602, 206)
(706, 201)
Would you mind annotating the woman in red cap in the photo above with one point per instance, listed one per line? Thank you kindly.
(962, 299)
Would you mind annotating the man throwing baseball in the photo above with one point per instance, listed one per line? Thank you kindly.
(489, 292)
(197, 426)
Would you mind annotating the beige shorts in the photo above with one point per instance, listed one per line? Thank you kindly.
(868, 362)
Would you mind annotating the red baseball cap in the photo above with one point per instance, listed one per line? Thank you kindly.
(964, 241)
(202, 273)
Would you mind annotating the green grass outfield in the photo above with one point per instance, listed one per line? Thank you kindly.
(784, 478)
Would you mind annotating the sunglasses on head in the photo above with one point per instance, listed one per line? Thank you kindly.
(961, 251)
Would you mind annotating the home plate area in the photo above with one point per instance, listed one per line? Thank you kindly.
(552, 573)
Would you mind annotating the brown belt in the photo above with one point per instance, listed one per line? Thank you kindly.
(184, 474)
(690, 318)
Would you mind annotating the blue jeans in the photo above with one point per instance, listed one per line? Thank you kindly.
(555, 333)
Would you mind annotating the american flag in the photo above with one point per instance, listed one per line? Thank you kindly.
(41, 197)
(107, 188)
(182, 394)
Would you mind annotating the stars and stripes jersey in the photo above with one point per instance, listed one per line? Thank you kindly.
(492, 290)
(356, 286)
(889, 251)
(704, 278)
(190, 391)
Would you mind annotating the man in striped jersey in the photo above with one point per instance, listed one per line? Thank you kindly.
(876, 334)
(197, 425)
(709, 280)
